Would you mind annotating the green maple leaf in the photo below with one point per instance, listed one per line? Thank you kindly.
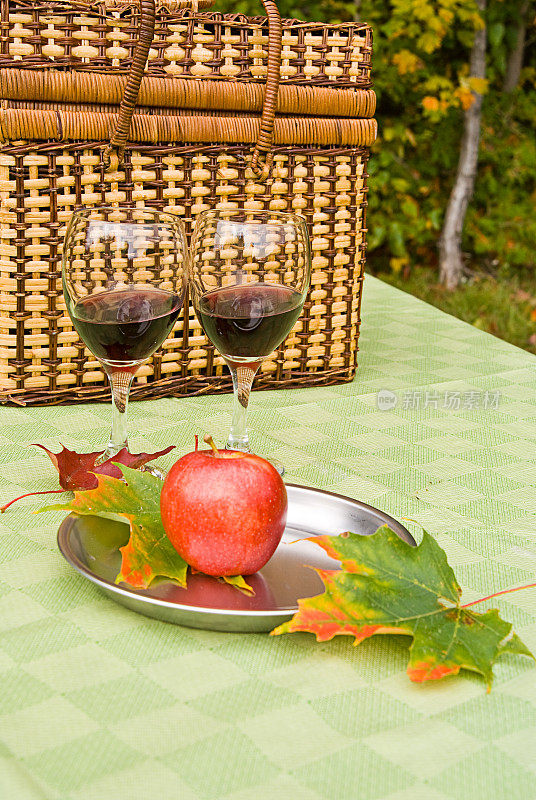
(148, 553)
(387, 586)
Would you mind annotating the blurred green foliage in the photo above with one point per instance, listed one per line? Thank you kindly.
(420, 70)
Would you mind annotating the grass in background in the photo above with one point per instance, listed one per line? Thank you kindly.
(504, 305)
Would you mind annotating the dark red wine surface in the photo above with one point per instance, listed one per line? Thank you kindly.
(250, 320)
(126, 324)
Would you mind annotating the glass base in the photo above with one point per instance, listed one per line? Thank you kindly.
(110, 452)
(152, 470)
(279, 466)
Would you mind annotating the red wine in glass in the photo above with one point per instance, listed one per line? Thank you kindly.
(249, 320)
(124, 275)
(126, 325)
(249, 276)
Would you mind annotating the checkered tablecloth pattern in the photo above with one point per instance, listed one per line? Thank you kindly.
(97, 702)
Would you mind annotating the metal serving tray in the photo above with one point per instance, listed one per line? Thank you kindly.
(91, 546)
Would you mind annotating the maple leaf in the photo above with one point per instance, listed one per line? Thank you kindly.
(387, 586)
(148, 553)
(78, 470)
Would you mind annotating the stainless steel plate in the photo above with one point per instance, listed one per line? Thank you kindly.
(91, 546)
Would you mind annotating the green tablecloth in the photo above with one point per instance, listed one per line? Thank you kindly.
(97, 702)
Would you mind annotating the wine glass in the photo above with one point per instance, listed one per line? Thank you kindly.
(124, 279)
(249, 275)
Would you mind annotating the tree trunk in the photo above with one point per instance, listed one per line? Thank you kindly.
(515, 61)
(450, 242)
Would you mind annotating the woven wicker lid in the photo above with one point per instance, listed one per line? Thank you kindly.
(65, 61)
(54, 35)
(178, 94)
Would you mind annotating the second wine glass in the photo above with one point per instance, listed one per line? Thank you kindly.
(249, 275)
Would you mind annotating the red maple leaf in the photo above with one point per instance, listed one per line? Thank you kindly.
(77, 471)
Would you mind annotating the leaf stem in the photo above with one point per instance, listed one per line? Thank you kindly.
(30, 494)
(496, 594)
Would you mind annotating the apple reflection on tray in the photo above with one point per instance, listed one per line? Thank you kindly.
(290, 573)
(206, 592)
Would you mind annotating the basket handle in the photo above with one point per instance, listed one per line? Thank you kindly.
(128, 103)
(260, 162)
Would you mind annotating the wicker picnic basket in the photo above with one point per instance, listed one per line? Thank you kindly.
(181, 110)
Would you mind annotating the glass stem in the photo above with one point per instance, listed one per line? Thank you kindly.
(242, 375)
(120, 382)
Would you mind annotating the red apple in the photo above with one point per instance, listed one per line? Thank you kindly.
(224, 511)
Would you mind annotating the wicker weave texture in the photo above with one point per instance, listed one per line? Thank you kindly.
(57, 35)
(41, 357)
(199, 133)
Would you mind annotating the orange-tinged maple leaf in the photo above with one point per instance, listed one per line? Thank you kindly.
(387, 586)
(423, 671)
(148, 553)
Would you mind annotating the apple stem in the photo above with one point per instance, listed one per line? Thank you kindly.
(209, 440)
(196, 437)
